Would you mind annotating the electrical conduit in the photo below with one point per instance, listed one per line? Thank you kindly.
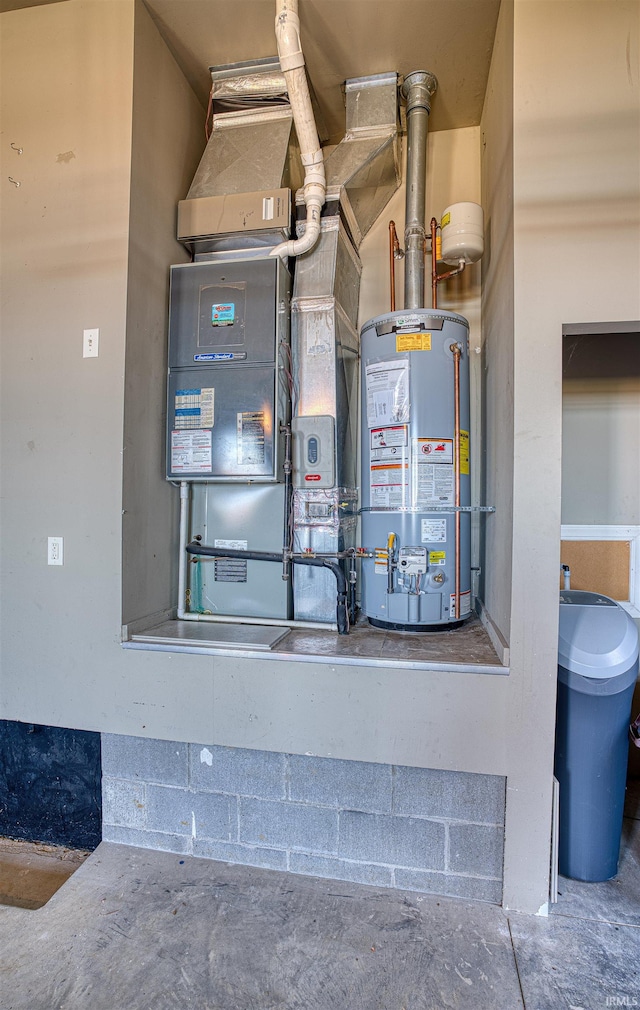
(292, 65)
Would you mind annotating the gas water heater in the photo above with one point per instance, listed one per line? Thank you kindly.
(415, 469)
(416, 504)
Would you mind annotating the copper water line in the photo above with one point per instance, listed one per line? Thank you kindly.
(437, 278)
(455, 349)
(434, 268)
(394, 249)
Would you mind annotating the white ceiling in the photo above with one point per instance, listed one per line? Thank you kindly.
(341, 38)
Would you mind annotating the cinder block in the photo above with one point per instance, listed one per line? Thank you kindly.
(237, 770)
(449, 884)
(288, 825)
(463, 796)
(124, 803)
(169, 809)
(340, 869)
(147, 839)
(246, 855)
(216, 816)
(134, 757)
(476, 849)
(354, 785)
(398, 841)
(174, 811)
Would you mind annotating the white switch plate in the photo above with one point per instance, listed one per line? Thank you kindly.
(90, 343)
(55, 550)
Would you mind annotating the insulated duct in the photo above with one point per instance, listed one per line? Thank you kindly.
(363, 172)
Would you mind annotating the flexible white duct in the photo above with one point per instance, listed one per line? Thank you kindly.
(292, 65)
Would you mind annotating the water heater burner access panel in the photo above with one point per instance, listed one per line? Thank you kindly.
(226, 400)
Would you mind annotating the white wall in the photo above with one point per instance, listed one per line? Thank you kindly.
(168, 140)
(576, 115)
(600, 452)
(497, 330)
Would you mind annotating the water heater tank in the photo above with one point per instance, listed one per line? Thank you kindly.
(419, 574)
(462, 226)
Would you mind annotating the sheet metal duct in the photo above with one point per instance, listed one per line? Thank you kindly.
(362, 173)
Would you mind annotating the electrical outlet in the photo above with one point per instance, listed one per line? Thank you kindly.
(90, 343)
(55, 548)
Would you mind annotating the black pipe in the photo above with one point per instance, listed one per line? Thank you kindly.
(342, 617)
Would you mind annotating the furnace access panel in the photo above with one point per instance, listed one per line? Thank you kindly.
(227, 395)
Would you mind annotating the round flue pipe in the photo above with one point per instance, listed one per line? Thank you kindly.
(418, 89)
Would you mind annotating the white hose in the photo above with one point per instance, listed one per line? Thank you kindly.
(292, 65)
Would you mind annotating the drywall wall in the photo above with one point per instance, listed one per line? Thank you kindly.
(167, 142)
(497, 330)
(600, 450)
(66, 101)
(564, 188)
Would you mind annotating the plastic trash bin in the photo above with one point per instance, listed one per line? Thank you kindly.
(597, 671)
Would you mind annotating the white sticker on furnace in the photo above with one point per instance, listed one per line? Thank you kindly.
(433, 531)
(250, 434)
(191, 451)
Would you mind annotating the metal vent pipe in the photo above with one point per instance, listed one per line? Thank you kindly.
(418, 89)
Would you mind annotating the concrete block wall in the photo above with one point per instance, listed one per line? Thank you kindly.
(391, 826)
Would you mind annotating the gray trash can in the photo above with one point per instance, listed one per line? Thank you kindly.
(597, 671)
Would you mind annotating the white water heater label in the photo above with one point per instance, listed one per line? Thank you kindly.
(433, 531)
(250, 430)
(433, 484)
(194, 408)
(465, 604)
(387, 393)
(389, 485)
(191, 451)
(388, 438)
(434, 450)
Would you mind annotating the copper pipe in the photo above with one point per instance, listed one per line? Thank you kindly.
(394, 249)
(434, 268)
(452, 273)
(455, 349)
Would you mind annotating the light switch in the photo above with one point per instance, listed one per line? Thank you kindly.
(90, 343)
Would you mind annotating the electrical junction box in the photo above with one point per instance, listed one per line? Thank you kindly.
(314, 454)
(228, 357)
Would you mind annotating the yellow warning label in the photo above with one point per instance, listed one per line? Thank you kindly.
(413, 341)
(445, 220)
(437, 557)
(464, 452)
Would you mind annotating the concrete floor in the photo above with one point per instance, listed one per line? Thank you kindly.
(139, 930)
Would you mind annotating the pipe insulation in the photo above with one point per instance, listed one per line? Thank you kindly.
(342, 616)
(292, 65)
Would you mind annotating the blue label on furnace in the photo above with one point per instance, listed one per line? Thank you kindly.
(223, 314)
